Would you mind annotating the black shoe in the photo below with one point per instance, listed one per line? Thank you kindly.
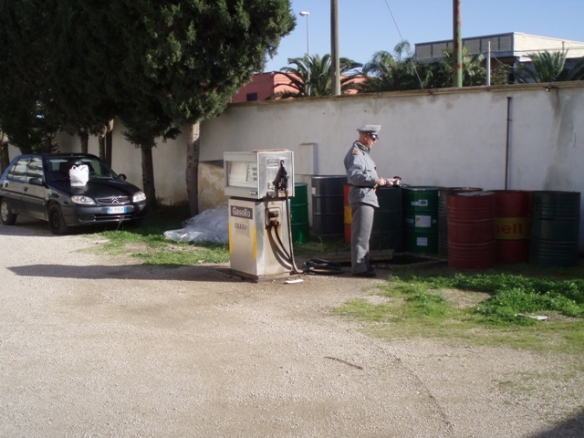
(370, 273)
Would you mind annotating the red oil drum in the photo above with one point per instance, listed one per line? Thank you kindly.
(442, 216)
(471, 230)
(348, 213)
(512, 225)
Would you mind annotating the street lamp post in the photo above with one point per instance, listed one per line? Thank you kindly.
(307, 86)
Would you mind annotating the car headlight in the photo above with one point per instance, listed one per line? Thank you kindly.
(139, 197)
(83, 200)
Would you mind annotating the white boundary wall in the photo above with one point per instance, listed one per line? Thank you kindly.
(446, 137)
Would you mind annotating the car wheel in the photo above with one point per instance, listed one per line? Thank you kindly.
(57, 221)
(8, 218)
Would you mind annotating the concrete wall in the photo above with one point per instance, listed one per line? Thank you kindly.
(450, 137)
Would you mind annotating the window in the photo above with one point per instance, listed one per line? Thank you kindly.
(250, 97)
(18, 171)
(35, 169)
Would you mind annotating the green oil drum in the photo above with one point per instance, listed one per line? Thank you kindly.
(555, 226)
(299, 213)
(421, 219)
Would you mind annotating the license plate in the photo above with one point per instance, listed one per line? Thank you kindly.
(116, 210)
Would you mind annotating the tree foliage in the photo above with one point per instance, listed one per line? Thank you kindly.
(154, 64)
(401, 70)
(312, 76)
(549, 67)
(393, 72)
(24, 60)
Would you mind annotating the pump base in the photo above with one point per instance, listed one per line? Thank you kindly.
(257, 278)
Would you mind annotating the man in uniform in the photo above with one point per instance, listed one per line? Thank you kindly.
(363, 178)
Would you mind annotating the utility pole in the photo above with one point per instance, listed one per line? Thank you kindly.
(335, 59)
(307, 85)
(457, 50)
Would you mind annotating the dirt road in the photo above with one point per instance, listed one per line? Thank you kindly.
(99, 346)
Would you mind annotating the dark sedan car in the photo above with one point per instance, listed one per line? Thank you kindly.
(39, 186)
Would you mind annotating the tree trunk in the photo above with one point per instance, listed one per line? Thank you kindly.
(48, 146)
(109, 143)
(192, 170)
(84, 135)
(101, 140)
(148, 175)
(4, 157)
(108, 148)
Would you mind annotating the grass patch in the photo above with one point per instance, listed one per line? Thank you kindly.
(147, 244)
(481, 308)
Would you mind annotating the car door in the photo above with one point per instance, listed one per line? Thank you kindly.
(33, 191)
(13, 185)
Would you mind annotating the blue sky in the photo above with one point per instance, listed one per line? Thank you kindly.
(367, 26)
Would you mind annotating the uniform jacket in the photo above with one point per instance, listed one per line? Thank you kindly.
(361, 175)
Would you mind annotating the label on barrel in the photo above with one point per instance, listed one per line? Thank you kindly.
(511, 228)
(423, 221)
(420, 203)
(422, 241)
(348, 214)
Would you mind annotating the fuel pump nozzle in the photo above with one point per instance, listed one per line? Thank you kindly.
(281, 181)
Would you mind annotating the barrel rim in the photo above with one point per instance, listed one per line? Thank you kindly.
(328, 176)
(473, 194)
(422, 188)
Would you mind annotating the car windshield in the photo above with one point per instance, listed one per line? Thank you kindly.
(58, 168)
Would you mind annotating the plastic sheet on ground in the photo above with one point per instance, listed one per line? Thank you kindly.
(208, 226)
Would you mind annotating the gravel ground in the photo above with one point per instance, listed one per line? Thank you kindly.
(100, 346)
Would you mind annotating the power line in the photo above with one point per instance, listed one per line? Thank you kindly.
(394, 21)
(402, 39)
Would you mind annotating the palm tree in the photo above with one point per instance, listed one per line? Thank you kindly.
(311, 76)
(391, 72)
(473, 74)
(549, 67)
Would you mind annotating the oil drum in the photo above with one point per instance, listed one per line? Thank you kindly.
(299, 213)
(387, 232)
(421, 219)
(512, 227)
(471, 230)
(555, 226)
(442, 216)
(327, 205)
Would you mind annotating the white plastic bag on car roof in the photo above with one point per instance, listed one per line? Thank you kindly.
(79, 175)
(208, 226)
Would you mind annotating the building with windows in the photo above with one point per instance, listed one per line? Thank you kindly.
(508, 48)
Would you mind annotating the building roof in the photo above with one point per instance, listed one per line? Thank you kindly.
(512, 45)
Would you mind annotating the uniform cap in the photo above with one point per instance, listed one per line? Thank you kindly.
(370, 129)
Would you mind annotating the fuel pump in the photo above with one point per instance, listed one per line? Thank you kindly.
(259, 184)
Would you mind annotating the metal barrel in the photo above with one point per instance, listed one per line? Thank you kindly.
(443, 217)
(387, 232)
(327, 205)
(471, 230)
(347, 213)
(421, 219)
(299, 213)
(555, 226)
(512, 226)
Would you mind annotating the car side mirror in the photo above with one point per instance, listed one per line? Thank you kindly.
(122, 177)
(35, 181)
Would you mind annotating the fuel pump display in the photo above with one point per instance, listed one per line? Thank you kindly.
(259, 184)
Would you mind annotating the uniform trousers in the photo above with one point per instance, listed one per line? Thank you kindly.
(361, 226)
